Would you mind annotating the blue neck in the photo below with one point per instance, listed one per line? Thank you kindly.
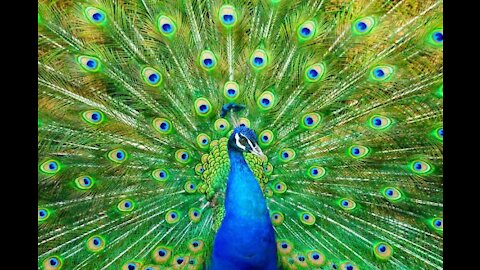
(246, 239)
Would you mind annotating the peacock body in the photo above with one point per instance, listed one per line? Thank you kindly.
(260, 134)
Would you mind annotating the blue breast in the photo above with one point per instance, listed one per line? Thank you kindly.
(246, 239)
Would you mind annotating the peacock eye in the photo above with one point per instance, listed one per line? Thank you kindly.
(50, 166)
(93, 117)
(436, 37)
(310, 120)
(307, 218)
(381, 73)
(190, 187)
(306, 31)
(161, 254)
(172, 217)
(259, 59)
(227, 15)
(117, 155)
(347, 204)
(266, 100)
(84, 182)
(363, 26)
(95, 243)
(89, 63)
(151, 76)
(194, 214)
(43, 214)
(284, 246)
(182, 156)
(243, 141)
(420, 167)
(277, 218)
(437, 224)
(231, 90)
(95, 15)
(382, 250)
(52, 263)
(126, 205)
(166, 26)
(316, 258)
(208, 60)
(195, 245)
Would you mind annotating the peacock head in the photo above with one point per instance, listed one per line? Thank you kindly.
(244, 139)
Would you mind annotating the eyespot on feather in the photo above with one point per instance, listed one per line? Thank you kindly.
(95, 15)
(182, 156)
(52, 263)
(363, 26)
(347, 204)
(231, 90)
(307, 218)
(435, 37)
(392, 194)
(196, 245)
(89, 63)
(94, 117)
(50, 166)
(379, 122)
(194, 214)
(172, 217)
(310, 121)
(279, 187)
(203, 140)
(126, 205)
(152, 77)
(118, 155)
(382, 250)
(284, 246)
(381, 73)
(208, 60)
(316, 172)
(96, 243)
(266, 101)
(316, 258)
(84, 182)
(160, 174)
(268, 169)
(244, 122)
(265, 138)
(348, 266)
(228, 16)
(166, 26)
(221, 125)
(421, 167)
(306, 31)
(277, 218)
(203, 107)
(43, 214)
(162, 126)
(259, 59)
(287, 154)
(131, 265)
(161, 254)
(358, 151)
(190, 187)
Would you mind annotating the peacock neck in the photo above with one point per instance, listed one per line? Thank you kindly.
(244, 198)
(245, 239)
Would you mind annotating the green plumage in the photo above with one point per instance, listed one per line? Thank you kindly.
(133, 153)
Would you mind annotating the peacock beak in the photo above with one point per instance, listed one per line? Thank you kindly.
(258, 152)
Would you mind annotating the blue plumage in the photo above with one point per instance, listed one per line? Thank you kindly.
(246, 239)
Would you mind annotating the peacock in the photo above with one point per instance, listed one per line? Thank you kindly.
(240, 134)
